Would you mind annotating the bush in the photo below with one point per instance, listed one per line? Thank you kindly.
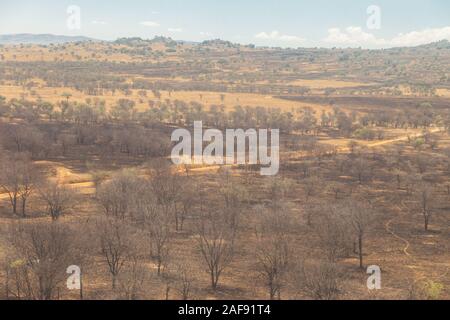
(364, 134)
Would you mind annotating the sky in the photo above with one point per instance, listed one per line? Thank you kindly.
(284, 23)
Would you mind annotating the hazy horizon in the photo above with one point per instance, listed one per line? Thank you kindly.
(76, 36)
(288, 23)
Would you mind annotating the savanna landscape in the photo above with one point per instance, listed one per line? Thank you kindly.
(86, 178)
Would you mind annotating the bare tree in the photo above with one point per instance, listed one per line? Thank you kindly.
(233, 195)
(166, 187)
(30, 178)
(58, 198)
(273, 249)
(333, 231)
(42, 252)
(335, 188)
(311, 186)
(278, 189)
(185, 280)
(360, 216)
(361, 169)
(412, 182)
(185, 201)
(320, 280)
(132, 279)
(98, 177)
(116, 245)
(425, 195)
(19, 178)
(216, 244)
(158, 226)
(10, 183)
(119, 195)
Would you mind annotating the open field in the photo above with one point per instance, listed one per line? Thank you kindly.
(55, 95)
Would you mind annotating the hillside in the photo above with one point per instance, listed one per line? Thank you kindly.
(42, 39)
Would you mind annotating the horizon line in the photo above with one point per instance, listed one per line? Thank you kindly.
(212, 39)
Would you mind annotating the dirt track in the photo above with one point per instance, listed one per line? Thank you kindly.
(369, 102)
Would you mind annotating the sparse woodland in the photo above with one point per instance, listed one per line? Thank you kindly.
(86, 178)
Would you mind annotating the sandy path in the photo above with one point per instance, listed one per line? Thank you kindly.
(404, 138)
(64, 173)
(390, 230)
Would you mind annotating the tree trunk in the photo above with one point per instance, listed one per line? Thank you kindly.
(114, 281)
(7, 285)
(14, 204)
(81, 286)
(360, 244)
(213, 283)
(271, 290)
(427, 221)
(167, 292)
(24, 205)
(159, 266)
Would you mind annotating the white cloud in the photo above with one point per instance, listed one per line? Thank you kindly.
(206, 34)
(352, 36)
(99, 22)
(356, 36)
(415, 38)
(150, 24)
(175, 30)
(275, 35)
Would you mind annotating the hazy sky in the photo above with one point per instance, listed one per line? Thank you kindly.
(287, 23)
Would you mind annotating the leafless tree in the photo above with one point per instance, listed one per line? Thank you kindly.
(311, 186)
(361, 169)
(132, 279)
(216, 242)
(165, 185)
(360, 215)
(185, 280)
(58, 198)
(19, 178)
(333, 230)
(423, 162)
(273, 249)
(412, 182)
(30, 178)
(119, 195)
(117, 246)
(321, 280)
(158, 227)
(10, 183)
(335, 188)
(42, 252)
(278, 189)
(426, 199)
(234, 196)
(98, 177)
(186, 199)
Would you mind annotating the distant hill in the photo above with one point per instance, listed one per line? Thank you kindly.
(443, 44)
(136, 41)
(45, 39)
